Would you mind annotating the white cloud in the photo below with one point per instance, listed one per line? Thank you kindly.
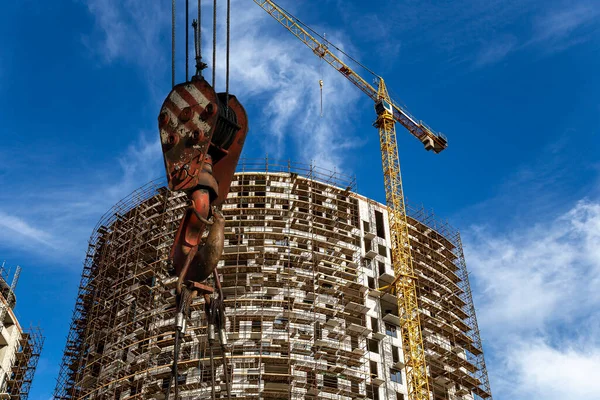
(129, 29)
(142, 162)
(495, 51)
(556, 373)
(554, 29)
(134, 31)
(561, 23)
(537, 298)
(479, 33)
(55, 221)
(17, 226)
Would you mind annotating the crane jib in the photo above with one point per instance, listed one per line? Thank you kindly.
(408, 123)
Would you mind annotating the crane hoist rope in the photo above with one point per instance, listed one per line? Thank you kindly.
(321, 83)
(214, 43)
(187, 38)
(173, 42)
(196, 24)
(388, 113)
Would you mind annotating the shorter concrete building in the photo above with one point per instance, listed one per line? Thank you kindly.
(19, 349)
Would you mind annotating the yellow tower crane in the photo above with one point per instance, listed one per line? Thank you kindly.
(388, 113)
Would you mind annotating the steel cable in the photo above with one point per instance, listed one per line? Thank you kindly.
(199, 26)
(227, 53)
(187, 38)
(214, 74)
(212, 372)
(217, 313)
(172, 43)
(184, 301)
(199, 40)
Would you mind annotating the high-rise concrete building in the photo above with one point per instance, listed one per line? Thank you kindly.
(19, 348)
(304, 259)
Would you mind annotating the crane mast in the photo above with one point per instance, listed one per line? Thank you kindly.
(388, 113)
(405, 281)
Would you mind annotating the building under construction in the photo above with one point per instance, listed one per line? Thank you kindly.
(304, 259)
(19, 349)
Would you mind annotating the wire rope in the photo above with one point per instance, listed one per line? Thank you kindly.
(199, 25)
(214, 55)
(199, 40)
(187, 38)
(172, 43)
(227, 53)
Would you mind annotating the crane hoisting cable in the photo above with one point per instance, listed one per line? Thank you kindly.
(321, 83)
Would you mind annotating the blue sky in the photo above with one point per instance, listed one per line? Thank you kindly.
(513, 84)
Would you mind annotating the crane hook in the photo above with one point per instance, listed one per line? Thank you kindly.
(321, 85)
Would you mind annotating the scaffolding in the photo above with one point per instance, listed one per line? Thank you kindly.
(23, 370)
(454, 355)
(94, 319)
(7, 292)
(20, 349)
(290, 276)
(304, 315)
(290, 267)
(453, 346)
